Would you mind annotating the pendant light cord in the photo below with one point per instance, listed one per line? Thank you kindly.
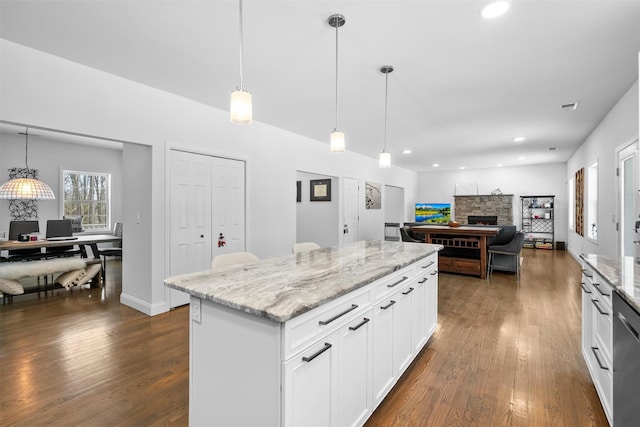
(241, 49)
(336, 77)
(386, 95)
(26, 149)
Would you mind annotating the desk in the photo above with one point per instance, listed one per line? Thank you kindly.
(90, 240)
(465, 248)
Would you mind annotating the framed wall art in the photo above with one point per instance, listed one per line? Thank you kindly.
(320, 190)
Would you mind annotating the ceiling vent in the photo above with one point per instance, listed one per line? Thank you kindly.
(569, 107)
(552, 148)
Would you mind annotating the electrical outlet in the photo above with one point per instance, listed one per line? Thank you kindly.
(196, 309)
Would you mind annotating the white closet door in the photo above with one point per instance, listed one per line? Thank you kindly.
(190, 201)
(228, 213)
(350, 199)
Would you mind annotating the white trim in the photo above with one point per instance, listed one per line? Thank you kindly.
(143, 306)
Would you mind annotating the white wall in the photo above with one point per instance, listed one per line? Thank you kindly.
(619, 127)
(317, 221)
(531, 180)
(47, 91)
(50, 158)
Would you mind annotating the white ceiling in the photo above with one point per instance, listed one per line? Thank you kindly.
(462, 89)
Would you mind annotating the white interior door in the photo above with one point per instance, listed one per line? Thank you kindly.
(350, 199)
(628, 196)
(190, 200)
(228, 212)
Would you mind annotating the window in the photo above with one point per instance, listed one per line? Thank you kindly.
(87, 194)
(592, 201)
(572, 201)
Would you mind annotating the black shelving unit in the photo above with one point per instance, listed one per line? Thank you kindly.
(538, 221)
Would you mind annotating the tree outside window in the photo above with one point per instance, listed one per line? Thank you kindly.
(87, 194)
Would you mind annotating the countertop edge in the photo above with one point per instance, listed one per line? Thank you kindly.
(615, 285)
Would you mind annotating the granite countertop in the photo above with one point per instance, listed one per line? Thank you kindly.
(622, 273)
(283, 288)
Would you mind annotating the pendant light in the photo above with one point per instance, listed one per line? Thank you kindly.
(26, 188)
(337, 144)
(241, 111)
(385, 158)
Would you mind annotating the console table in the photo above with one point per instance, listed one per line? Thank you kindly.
(465, 248)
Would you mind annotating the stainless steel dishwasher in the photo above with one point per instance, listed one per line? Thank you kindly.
(626, 363)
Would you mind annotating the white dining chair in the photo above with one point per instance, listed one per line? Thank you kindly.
(304, 247)
(224, 260)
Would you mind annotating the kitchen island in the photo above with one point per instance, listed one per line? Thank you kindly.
(311, 338)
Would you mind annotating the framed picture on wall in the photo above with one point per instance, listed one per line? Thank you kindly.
(320, 190)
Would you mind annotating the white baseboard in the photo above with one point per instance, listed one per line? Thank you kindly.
(143, 306)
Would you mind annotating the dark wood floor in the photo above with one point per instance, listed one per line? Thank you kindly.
(503, 355)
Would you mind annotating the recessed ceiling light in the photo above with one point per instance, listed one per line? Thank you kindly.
(435, 165)
(495, 9)
(518, 139)
(499, 165)
(406, 151)
(521, 158)
(462, 167)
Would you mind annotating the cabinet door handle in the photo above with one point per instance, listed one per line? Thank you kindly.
(627, 325)
(433, 273)
(595, 302)
(398, 282)
(584, 288)
(326, 322)
(597, 286)
(429, 265)
(384, 307)
(584, 271)
(359, 325)
(326, 347)
(424, 279)
(408, 291)
(595, 351)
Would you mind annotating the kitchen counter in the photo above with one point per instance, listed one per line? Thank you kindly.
(283, 288)
(621, 273)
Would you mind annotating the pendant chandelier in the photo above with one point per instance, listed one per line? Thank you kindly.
(337, 144)
(26, 188)
(241, 110)
(385, 158)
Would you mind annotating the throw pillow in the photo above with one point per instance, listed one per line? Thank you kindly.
(90, 272)
(70, 278)
(11, 287)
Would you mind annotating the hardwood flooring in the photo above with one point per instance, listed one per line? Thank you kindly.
(503, 355)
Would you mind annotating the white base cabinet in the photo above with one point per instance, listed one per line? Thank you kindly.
(330, 366)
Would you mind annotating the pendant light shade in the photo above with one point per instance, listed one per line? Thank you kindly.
(25, 187)
(241, 110)
(385, 158)
(338, 143)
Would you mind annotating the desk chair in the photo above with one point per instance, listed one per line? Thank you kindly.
(23, 227)
(304, 247)
(406, 235)
(233, 258)
(62, 228)
(114, 251)
(506, 257)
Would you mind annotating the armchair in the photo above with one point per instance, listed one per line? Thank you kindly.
(506, 257)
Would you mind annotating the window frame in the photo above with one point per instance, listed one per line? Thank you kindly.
(592, 196)
(572, 202)
(107, 175)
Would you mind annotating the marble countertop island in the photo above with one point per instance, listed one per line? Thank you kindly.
(283, 288)
(621, 273)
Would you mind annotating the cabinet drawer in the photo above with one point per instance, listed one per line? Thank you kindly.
(426, 265)
(603, 330)
(388, 285)
(308, 328)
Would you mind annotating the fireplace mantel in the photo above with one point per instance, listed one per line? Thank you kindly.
(500, 205)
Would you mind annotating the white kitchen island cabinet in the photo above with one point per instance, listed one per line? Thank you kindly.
(317, 338)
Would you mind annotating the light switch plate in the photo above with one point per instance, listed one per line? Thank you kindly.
(196, 309)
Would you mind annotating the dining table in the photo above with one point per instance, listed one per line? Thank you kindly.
(87, 240)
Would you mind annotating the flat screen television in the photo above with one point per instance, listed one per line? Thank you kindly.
(433, 212)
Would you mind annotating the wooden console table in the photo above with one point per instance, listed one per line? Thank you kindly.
(465, 248)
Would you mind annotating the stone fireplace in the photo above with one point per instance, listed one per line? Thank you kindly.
(489, 205)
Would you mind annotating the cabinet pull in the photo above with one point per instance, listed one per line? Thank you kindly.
(326, 347)
(359, 325)
(326, 322)
(584, 271)
(597, 286)
(627, 325)
(429, 265)
(595, 302)
(433, 273)
(384, 307)
(408, 291)
(584, 288)
(595, 351)
(398, 282)
(424, 279)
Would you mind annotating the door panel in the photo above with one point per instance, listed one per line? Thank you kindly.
(351, 225)
(628, 208)
(228, 214)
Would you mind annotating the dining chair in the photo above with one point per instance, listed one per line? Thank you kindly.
(406, 235)
(62, 228)
(23, 227)
(506, 257)
(114, 251)
(233, 258)
(304, 247)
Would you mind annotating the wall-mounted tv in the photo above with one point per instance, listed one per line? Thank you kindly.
(433, 212)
